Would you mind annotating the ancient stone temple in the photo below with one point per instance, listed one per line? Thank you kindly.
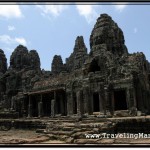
(102, 82)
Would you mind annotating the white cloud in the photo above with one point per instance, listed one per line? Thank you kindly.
(8, 40)
(120, 6)
(54, 10)
(10, 11)
(11, 28)
(21, 41)
(87, 11)
(135, 30)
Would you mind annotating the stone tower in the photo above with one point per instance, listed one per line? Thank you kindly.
(57, 65)
(19, 58)
(107, 36)
(34, 60)
(3, 62)
(77, 58)
(3, 69)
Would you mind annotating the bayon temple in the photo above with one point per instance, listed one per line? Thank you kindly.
(103, 82)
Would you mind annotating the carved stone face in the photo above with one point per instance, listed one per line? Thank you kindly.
(106, 31)
(18, 60)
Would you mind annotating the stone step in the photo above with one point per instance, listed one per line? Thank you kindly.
(96, 120)
(58, 121)
(74, 129)
(60, 124)
(59, 132)
(75, 125)
(40, 130)
(91, 125)
(67, 128)
(58, 128)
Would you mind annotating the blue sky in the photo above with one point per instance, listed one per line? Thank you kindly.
(52, 29)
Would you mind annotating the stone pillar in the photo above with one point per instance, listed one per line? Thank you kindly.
(101, 103)
(140, 103)
(86, 101)
(23, 111)
(53, 107)
(62, 104)
(128, 98)
(112, 109)
(69, 103)
(12, 103)
(132, 98)
(40, 107)
(106, 101)
(91, 102)
(30, 108)
(144, 100)
(80, 103)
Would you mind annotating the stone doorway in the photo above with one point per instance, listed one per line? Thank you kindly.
(46, 99)
(26, 106)
(120, 102)
(96, 106)
(57, 107)
(34, 103)
(61, 104)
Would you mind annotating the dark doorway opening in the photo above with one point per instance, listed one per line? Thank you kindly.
(74, 103)
(26, 106)
(46, 105)
(61, 107)
(94, 66)
(57, 107)
(62, 103)
(96, 102)
(65, 104)
(34, 106)
(120, 100)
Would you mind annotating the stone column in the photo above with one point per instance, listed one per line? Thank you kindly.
(53, 107)
(79, 103)
(128, 98)
(106, 101)
(69, 103)
(91, 102)
(40, 107)
(86, 101)
(112, 109)
(101, 103)
(12, 102)
(62, 104)
(140, 104)
(23, 111)
(132, 97)
(29, 108)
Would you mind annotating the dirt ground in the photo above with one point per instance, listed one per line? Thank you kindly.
(21, 137)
